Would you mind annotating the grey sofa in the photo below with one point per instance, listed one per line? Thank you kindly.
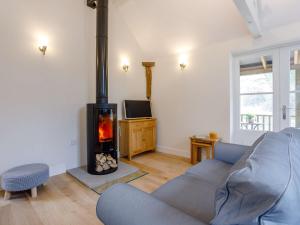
(243, 185)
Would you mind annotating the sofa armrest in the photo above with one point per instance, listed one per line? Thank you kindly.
(229, 153)
(123, 204)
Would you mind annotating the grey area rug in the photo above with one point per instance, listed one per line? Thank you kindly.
(99, 184)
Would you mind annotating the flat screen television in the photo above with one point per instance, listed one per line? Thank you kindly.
(137, 109)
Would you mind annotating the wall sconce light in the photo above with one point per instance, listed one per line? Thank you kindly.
(182, 66)
(43, 45)
(43, 49)
(183, 61)
(125, 64)
(126, 68)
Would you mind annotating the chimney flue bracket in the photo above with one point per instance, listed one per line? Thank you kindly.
(92, 4)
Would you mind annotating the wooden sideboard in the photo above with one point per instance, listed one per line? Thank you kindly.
(137, 136)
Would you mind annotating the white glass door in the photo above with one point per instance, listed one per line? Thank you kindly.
(266, 93)
(290, 86)
(255, 96)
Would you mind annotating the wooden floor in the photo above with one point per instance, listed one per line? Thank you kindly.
(65, 201)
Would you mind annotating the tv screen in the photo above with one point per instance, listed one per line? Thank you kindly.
(135, 109)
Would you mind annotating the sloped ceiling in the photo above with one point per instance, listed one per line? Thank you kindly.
(173, 26)
(276, 13)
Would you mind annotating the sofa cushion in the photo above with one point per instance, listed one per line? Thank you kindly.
(293, 131)
(229, 153)
(254, 187)
(123, 204)
(242, 161)
(193, 196)
(286, 210)
(211, 171)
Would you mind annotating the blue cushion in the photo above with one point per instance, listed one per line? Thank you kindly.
(25, 177)
(217, 170)
(258, 140)
(193, 196)
(286, 211)
(293, 131)
(256, 184)
(123, 204)
(229, 153)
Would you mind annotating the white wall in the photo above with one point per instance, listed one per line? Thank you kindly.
(43, 99)
(197, 100)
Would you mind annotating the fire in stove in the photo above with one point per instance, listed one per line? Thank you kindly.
(106, 126)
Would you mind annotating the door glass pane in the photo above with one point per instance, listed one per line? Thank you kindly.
(292, 80)
(256, 112)
(294, 105)
(256, 94)
(257, 83)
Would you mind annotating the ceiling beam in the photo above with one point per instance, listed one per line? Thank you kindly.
(250, 12)
(296, 57)
(263, 62)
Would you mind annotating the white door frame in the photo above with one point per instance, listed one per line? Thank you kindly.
(246, 136)
(285, 82)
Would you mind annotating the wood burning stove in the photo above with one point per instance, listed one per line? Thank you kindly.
(102, 142)
(102, 138)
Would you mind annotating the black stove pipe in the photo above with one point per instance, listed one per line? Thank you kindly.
(94, 145)
(102, 52)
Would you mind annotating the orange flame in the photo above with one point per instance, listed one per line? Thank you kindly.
(105, 128)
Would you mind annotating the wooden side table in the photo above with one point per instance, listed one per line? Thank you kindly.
(202, 143)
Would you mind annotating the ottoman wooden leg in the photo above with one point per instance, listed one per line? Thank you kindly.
(34, 192)
(7, 195)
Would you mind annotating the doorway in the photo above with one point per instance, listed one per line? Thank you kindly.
(265, 92)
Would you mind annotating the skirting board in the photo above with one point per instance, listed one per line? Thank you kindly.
(57, 169)
(173, 151)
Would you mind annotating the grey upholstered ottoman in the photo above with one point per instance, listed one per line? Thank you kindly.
(27, 177)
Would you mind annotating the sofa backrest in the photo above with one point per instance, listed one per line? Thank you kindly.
(286, 210)
(262, 185)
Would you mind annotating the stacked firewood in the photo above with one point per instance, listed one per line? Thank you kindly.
(105, 162)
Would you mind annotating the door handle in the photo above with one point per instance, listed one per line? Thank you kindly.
(284, 108)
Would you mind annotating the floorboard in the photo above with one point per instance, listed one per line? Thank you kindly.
(65, 201)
